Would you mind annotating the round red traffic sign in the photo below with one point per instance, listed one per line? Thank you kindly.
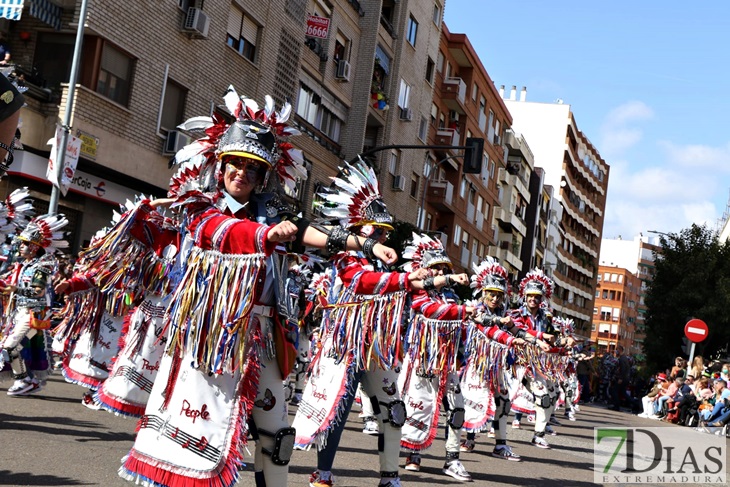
(696, 330)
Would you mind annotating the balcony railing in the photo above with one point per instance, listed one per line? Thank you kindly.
(454, 94)
(447, 137)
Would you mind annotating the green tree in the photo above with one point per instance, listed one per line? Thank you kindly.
(691, 280)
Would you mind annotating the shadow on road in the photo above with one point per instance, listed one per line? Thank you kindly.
(27, 478)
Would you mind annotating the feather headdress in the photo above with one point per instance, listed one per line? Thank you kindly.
(489, 275)
(535, 282)
(424, 252)
(44, 231)
(354, 198)
(256, 133)
(16, 211)
(564, 324)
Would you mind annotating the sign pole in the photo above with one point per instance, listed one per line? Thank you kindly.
(691, 356)
(61, 152)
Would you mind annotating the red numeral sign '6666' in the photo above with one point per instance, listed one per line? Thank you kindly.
(318, 26)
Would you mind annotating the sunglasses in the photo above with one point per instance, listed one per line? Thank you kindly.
(248, 166)
(493, 295)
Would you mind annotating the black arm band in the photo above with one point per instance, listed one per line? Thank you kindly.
(336, 240)
(367, 248)
(428, 284)
(5, 165)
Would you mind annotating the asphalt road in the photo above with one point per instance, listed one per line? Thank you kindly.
(51, 439)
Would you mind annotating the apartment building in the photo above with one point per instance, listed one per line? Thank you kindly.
(616, 310)
(462, 206)
(637, 256)
(359, 74)
(574, 168)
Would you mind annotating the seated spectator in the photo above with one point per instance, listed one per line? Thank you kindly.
(698, 366)
(664, 396)
(684, 393)
(679, 364)
(720, 401)
(648, 400)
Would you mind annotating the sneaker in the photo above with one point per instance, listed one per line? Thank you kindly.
(390, 483)
(554, 420)
(570, 415)
(540, 442)
(550, 431)
(506, 453)
(413, 462)
(490, 434)
(531, 418)
(88, 401)
(321, 479)
(371, 427)
(576, 407)
(642, 415)
(515, 424)
(467, 446)
(296, 399)
(455, 469)
(20, 387)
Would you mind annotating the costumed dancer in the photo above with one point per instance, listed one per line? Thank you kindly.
(488, 356)
(300, 294)
(568, 384)
(29, 314)
(126, 391)
(360, 339)
(535, 318)
(429, 377)
(105, 288)
(228, 352)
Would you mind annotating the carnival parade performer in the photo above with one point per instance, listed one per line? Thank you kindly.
(106, 286)
(429, 376)
(569, 387)
(488, 357)
(361, 332)
(126, 391)
(29, 285)
(228, 351)
(535, 317)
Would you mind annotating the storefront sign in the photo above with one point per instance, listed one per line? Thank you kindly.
(89, 145)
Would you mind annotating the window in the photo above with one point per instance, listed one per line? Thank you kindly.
(442, 120)
(482, 104)
(457, 234)
(242, 33)
(311, 109)
(412, 31)
(115, 74)
(404, 94)
(474, 92)
(423, 129)
(434, 113)
(620, 278)
(440, 62)
(342, 49)
(430, 68)
(462, 187)
(414, 185)
(436, 14)
(394, 163)
(173, 106)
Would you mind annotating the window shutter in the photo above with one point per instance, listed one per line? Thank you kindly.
(235, 18)
(249, 31)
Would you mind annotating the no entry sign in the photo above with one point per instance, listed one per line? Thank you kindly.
(696, 330)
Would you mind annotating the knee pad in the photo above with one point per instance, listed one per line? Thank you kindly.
(456, 418)
(396, 413)
(283, 445)
(502, 406)
(14, 352)
(542, 401)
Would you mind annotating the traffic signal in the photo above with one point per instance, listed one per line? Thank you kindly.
(685, 345)
(473, 155)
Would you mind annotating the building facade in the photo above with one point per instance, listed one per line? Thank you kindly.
(579, 176)
(616, 310)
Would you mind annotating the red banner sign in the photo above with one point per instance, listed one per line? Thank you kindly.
(318, 27)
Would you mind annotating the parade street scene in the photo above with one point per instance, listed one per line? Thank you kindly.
(330, 243)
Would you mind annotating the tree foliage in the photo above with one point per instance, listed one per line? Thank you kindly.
(691, 280)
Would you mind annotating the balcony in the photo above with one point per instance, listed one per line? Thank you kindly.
(454, 94)
(482, 121)
(480, 221)
(464, 260)
(509, 218)
(441, 195)
(470, 212)
(448, 137)
(506, 253)
(610, 336)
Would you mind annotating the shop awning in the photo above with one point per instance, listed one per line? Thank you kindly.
(11, 9)
(47, 12)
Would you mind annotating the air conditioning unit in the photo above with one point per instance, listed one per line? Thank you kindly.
(399, 183)
(406, 114)
(175, 141)
(343, 70)
(196, 23)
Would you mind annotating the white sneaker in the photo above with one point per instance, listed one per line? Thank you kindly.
(570, 415)
(515, 424)
(21, 387)
(413, 462)
(540, 442)
(490, 433)
(576, 407)
(643, 415)
(467, 446)
(371, 427)
(88, 401)
(455, 469)
(506, 453)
